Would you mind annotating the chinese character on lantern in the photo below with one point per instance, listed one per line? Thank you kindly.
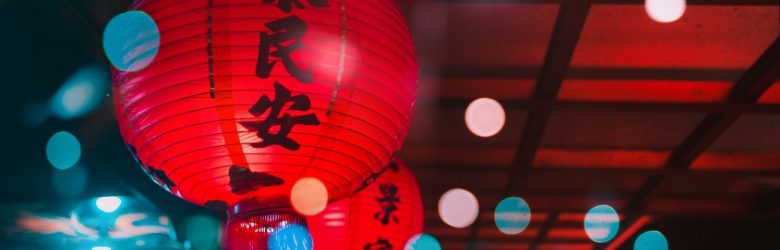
(285, 39)
(380, 244)
(286, 5)
(388, 202)
(285, 122)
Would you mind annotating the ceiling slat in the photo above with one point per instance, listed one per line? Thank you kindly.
(755, 81)
(689, 2)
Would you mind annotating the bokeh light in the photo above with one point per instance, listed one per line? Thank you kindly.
(458, 208)
(665, 11)
(63, 150)
(512, 215)
(422, 242)
(309, 196)
(651, 240)
(101, 248)
(84, 91)
(71, 182)
(202, 232)
(485, 117)
(108, 204)
(131, 40)
(290, 237)
(602, 223)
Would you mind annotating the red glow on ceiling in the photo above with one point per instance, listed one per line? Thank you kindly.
(644, 91)
(769, 161)
(487, 87)
(571, 217)
(490, 26)
(772, 95)
(601, 158)
(629, 232)
(715, 37)
(567, 233)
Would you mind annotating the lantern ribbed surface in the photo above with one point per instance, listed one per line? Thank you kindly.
(245, 97)
(384, 215)
(255, 231)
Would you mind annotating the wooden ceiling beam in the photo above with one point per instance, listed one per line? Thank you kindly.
(568, 26)
(566, 33)
(544, 230)
(659, 215)
(735, 172)
(585, 73)
(689, 2)
(764, 72)
(617, 106)
(753, 83)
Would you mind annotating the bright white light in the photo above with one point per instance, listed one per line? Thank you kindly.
(335, 223)
(512, 215)
(108, 204)
(82, 93)
(75, 98)
(101, 248)
(485, 117)
(458, 208)
(665, 11)
(309, 196)
(602, 223)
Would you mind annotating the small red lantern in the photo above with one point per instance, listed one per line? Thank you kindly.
(245, 97)
(385, 215)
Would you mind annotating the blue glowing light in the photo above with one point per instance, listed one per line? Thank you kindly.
(602, 223)
(63, 150)
(512, 215)
(651, 240)
(84, 91)
(422, 242)
(131, 40)
(108, 204)
(290, 237)
(101, 248)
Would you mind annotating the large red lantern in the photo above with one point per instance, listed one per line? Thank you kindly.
(245, 97)
(385, 215)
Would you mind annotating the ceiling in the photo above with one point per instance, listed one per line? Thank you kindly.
(665, 122)
(675, 125)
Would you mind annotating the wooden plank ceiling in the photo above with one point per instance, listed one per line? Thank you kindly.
(604, 105)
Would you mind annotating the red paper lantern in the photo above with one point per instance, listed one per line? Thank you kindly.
(385, 215)
(337, 123)
(245, 97)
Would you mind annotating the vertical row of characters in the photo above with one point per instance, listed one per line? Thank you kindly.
(283, 37)
(387, 203)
